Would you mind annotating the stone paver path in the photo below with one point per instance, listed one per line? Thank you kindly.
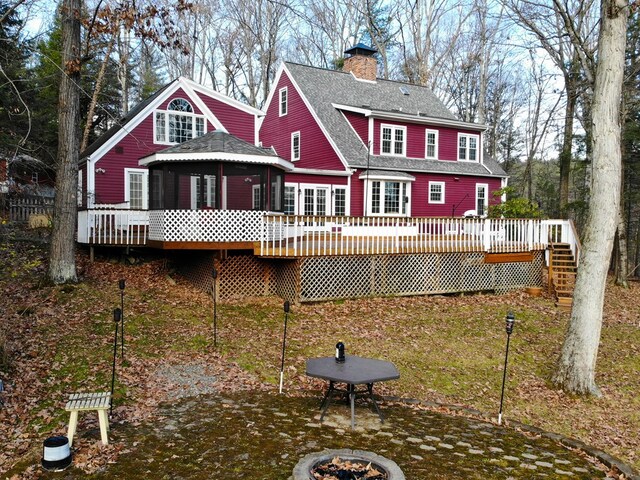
(262, 436)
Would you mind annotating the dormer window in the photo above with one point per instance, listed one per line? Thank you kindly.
(178, 123)
(284, 106)
(393, 140)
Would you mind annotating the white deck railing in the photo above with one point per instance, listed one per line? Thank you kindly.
(113, 227)
(312, 235)
(293, 236)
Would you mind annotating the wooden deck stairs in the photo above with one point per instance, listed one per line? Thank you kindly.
(562, 273)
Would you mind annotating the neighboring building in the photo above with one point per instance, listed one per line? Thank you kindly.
(25, 175)
(110, 175)
(363, 146)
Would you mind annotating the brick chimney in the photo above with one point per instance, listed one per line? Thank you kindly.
(361, 62)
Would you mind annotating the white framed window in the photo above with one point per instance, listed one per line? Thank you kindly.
(340, 201)
(178, 123)
(468, 147)
(135, 188)
(290, 199)
(295, 146)
(482, 199)
(389, 198)
(256, 203)
(315, 200)
(283, 104)
(431, 144)
(436, 192)
(393, 140)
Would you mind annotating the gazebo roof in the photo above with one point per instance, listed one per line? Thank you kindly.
(217, 146)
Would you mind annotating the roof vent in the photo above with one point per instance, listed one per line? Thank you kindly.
(404, 90)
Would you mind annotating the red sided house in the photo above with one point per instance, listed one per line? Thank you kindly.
(369, 147)
(345, 186)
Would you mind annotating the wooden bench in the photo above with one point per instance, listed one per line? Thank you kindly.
(80, 402)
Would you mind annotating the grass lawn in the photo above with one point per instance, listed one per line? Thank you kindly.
(448, 349)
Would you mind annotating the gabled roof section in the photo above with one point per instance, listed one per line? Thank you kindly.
(142, 110)
(326, 89)
(217, 146)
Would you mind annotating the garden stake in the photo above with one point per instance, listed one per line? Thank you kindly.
(214, 274)
(117, 316)
(284, 341)
(510, 321)
(121, 285)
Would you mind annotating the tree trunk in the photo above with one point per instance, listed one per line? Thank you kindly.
(567, 144)
(576, 368)
(62, 262)
(622, 266)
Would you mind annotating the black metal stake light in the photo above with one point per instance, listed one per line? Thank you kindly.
(509, 327)
(214, 275)
(117, 316)
(121, 286)
(286, 307)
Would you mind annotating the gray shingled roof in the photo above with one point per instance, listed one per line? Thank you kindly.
(323, 88)
(218, 142)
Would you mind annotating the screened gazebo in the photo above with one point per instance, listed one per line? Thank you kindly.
(212, 189)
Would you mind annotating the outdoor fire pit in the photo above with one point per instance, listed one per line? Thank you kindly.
(346, 463)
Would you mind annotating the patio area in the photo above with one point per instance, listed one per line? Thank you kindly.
(263, 436)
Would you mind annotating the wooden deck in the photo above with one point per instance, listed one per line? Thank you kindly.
(335, 244)
(270, 235)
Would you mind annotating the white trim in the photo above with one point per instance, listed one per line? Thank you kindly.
(145, 186)
(436, 152)
(442, 193)
(364, 111)
(294, 135)
(367, 175)
(370, 142)
(317, 171)
(407, 117)
(286, 103)
(215, 156)
(410, 117)
(478, 146)
(362, 79)
(393, 140)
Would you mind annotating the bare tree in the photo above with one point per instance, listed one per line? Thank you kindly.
(62, 262)
(566, 31)
(577, 365)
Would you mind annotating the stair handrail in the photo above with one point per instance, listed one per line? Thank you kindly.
(575, 244)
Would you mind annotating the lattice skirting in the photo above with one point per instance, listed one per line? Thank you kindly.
(327, 278)
(239, 276)
(330, 278)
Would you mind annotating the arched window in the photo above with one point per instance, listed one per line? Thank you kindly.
(173, 127)
(180, 105)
